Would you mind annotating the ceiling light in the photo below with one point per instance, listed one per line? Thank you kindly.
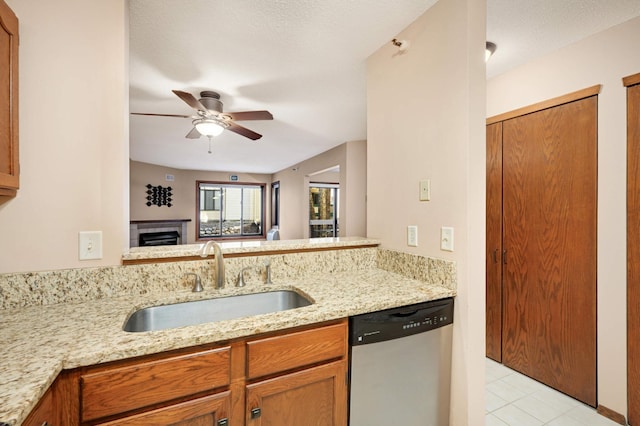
(209, 127)
(490, 48)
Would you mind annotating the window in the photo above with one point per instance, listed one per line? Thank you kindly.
(230, 210)
(323, 210)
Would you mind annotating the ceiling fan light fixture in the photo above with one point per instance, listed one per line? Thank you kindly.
(209, 127)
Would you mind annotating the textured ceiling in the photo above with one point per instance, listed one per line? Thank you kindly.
(526, 29)
(304, 61)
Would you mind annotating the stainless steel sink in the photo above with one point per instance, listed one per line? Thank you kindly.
(211, 310)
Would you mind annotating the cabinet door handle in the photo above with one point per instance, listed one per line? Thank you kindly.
(223, 422)
(495, 256)
(255, 413)
(504, 256)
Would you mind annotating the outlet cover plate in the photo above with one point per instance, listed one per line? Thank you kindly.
(412, 236)
(446, 238)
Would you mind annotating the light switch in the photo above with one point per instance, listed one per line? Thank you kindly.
(412, 236)
(446, 238)
(90, 245)
(425, 190)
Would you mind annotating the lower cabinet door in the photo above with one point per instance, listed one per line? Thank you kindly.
(316, 396)
(212, 410)
(43, 414)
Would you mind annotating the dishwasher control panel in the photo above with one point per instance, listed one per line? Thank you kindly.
(398, 322)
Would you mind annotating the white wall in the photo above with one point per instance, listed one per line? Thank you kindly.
(184, 192)
(73, 135)
(354, 223)
(601, 59)
(294, 190)
(426, 121)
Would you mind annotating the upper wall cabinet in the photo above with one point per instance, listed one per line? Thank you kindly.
(9, 164)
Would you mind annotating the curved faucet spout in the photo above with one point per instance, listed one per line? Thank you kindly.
(217, 252)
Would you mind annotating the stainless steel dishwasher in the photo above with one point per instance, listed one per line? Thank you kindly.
(400, 372)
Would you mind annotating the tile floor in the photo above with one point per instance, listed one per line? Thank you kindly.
(512, 399)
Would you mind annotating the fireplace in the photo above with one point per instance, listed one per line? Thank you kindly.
(157, 232)
(168, 238)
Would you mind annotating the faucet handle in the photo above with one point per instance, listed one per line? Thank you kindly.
(197, 286)
(240, 282)
(267, 267)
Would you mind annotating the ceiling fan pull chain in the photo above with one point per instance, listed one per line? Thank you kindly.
(209, 144)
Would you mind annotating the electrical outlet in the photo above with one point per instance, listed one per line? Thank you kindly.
(425, 190)
(412, 236)
(446, 238)
(90, 245)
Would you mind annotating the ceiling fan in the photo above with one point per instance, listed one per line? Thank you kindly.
(211, 120)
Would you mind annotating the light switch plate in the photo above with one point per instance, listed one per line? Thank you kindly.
(90, 245)
(446, 238)
(425, 190)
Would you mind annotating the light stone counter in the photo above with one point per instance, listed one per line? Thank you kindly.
(237, 247)
(39, 341)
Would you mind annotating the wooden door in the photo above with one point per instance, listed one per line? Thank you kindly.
(633, 248)
(205, 411)
(549, 234)
(494, 242)
(316, 396)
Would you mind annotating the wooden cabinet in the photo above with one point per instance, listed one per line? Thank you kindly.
(44, 413)
(212, 410)
(122, 388)
(280, 353)
(315, 396)
(277, 378)
(9, 165)
(541, 252)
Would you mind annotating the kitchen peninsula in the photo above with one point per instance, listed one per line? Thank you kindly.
(61, 320)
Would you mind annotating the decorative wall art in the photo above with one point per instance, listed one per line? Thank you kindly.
(159, 196)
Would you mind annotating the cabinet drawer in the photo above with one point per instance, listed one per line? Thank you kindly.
(124, 388)
(276, 354)
(207, 410)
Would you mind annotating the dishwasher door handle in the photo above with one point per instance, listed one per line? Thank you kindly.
(409, 314)
(405, 314)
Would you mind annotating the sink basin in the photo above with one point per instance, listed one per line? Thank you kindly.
(211, 310)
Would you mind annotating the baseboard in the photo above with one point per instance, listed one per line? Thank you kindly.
(612, 415)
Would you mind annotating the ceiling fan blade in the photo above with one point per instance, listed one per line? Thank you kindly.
(190, 100)
(236, 128)
(250, 115)
(193, 134)
(161, 115)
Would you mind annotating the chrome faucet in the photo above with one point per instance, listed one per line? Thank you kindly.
(217, 252)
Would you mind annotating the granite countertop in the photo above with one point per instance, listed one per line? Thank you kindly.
(41, 341)
(236, 247)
